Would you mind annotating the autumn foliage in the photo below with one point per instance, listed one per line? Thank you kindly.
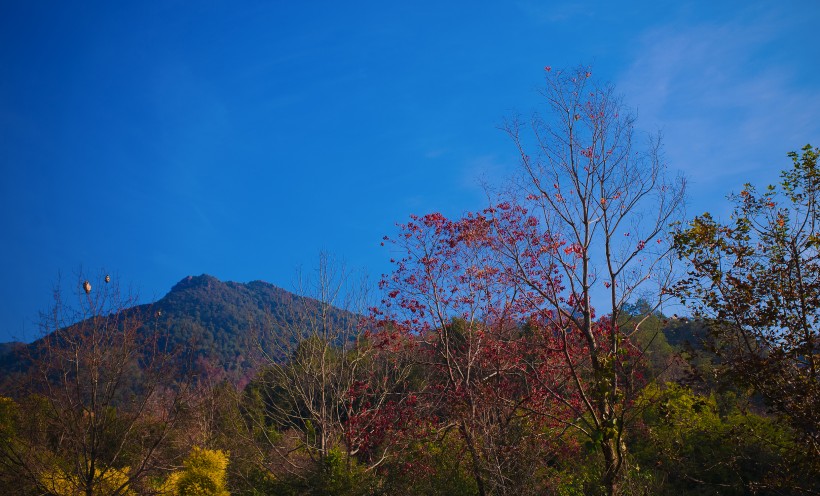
(518, 349)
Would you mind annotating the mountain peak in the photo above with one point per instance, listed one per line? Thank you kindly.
(203, 280)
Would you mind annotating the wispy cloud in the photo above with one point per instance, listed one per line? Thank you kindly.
(728, 108)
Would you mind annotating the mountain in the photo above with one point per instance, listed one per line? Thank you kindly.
(218, 326)
(223, 322)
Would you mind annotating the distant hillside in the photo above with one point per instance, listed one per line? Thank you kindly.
(217, 324)
(8, 353)
(221, 321)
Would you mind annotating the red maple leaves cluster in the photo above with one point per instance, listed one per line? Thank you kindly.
(493, 351)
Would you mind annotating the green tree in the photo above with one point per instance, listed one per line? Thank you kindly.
(756, 280)
(690, 446)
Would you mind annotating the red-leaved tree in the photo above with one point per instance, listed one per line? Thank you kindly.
(493, 376)
(502, 300)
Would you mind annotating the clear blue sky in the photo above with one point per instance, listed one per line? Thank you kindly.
(162, 139)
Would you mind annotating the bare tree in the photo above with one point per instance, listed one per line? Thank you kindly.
(600, 207)
(100, 410)
(323, 392)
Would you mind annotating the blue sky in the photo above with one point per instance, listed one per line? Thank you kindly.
(163, 139)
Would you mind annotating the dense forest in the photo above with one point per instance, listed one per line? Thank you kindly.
(578, 336)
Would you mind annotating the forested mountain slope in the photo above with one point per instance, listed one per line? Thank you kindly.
(212, 325)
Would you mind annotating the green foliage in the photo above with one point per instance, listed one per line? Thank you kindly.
(756, 280)
(434, 466)
(576, 472)
(9, 412)
(582, 479)
(716, 439)
(694, 449)
(648, 335)
(218, 322)
(336, 474)
(11, 473)
(339, 475)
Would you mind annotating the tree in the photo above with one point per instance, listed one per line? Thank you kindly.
(587, 220)
(203, 474)
(756, 281)
(596, 191)
(694, 445)
(324, 397)
(98, 416)
(450, 300)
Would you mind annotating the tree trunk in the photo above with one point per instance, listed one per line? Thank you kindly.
(612, 465)
(479, 480)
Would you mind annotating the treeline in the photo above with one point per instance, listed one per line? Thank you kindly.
(521, 349)
(389, 415)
